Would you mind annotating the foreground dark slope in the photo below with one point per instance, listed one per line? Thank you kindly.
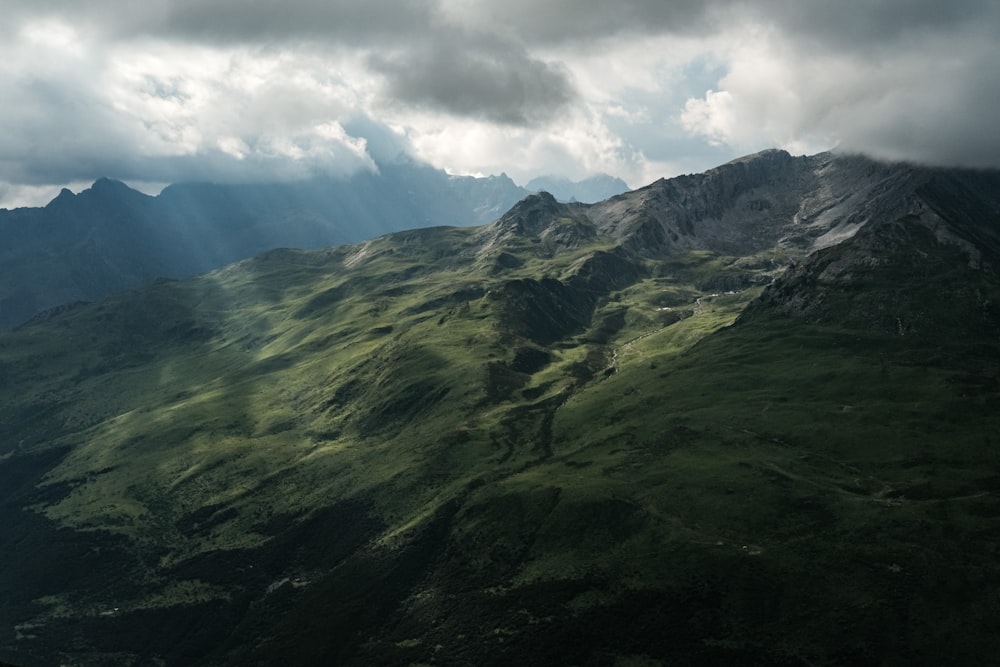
(110, 238)
(534, 442)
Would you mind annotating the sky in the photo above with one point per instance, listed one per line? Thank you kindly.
(162, 91)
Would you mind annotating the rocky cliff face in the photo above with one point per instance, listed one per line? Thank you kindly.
(763, 201)
(737, 208)
(850, 225)
(924, 259)
(540, 221)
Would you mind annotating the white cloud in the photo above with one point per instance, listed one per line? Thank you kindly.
(918, 103)
(713, 116)
(58, 38)
(161, 111)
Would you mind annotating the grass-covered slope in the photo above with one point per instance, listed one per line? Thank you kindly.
(516, 444)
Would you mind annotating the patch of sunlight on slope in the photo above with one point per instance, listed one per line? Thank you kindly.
(611, 460)
(640, 361)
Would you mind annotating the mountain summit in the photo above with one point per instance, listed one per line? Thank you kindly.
(742, 417)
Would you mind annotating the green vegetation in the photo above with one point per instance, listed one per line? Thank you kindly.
(452, 446)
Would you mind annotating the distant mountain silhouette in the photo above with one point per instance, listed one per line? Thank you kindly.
(110, 238)
(588, 191)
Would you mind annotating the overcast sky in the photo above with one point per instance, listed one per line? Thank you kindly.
(162, 91)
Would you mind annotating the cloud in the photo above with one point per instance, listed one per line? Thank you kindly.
(496, 81)
(580, 144)
(227, 89)
(424, 59)
(582, 21)
(838, 26)
(931, 101)
(901, 79)
(873, 27)
(220, 22)
(170, 112)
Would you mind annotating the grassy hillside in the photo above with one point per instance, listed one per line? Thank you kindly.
(516, 444)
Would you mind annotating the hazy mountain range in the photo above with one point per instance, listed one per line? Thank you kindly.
(109, 238)
(588, 191)
(743, 417)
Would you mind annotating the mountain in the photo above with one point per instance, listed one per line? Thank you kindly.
(742, 417)
(110, 238)
(589, 190)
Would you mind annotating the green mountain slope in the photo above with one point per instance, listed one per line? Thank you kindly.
(547, 440)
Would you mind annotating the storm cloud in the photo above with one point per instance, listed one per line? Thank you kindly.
(500, 83)
(172, 90)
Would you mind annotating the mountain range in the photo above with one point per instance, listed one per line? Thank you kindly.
(588, 191)
(110, 237)
(743, 417)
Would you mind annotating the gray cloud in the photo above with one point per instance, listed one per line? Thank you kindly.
(912, 80)
(885, 25)
(425, 59)
(561, 21)
(360, 22)
(820, 21)
(354, 22)
(64, 131)
(58, 132)
(225, 21)
(497, 82)
(948, 116)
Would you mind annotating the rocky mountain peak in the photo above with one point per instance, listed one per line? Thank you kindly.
(530, 215)
(927, 241)
(108, 185)
(768, 168)
(799, 204)
(529, 218)
(771, 155)
(538, 222)
(64, 197)
(736, 208)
